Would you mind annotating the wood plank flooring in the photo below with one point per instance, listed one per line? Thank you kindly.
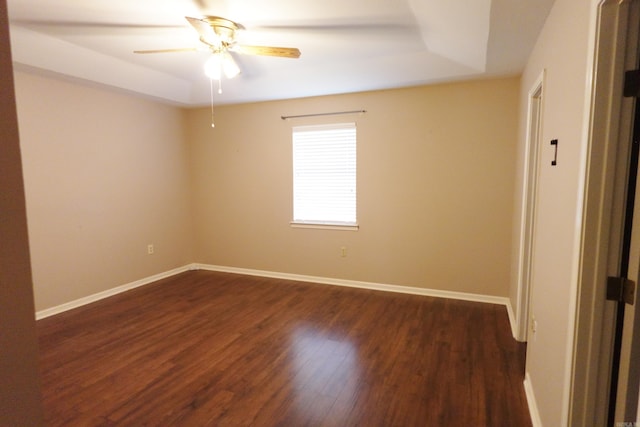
(216, 349)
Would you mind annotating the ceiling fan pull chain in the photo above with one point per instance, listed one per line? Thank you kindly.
(211, 87)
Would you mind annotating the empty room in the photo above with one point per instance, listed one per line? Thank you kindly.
(243, 213)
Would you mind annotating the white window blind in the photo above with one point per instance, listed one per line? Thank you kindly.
(324, 174)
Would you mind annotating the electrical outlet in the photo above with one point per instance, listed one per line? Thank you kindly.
(150, 249)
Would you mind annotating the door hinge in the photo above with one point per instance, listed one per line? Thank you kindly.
(632, 84)
(621, 289)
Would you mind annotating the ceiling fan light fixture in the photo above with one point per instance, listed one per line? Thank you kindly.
(221, 62)
(229, 66)
(213, 67)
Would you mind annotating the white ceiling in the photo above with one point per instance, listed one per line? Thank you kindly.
(347, 46)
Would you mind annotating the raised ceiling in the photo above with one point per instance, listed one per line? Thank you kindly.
(347, 46)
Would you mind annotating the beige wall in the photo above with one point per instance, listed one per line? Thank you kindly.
(435, 187)
(561, 50)
(105, 175)
(20, 402)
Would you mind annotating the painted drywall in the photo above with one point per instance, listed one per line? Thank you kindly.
(561, 52)
(435, 187)
(105, 175)
(20, 401)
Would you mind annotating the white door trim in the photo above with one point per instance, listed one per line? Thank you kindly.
(528, 209)
(598, 255)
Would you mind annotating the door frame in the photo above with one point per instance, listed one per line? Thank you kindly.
(625, 377)
(535, 109)
(627, 367)
(605, 178)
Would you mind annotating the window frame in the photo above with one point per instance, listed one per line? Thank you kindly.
(324, 224)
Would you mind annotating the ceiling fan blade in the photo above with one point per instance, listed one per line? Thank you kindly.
(345, 24)
(201, 27)
(94, 28)
(284, 52)
(329, 27)
(185, 49)
(91, 24)
(202, 4)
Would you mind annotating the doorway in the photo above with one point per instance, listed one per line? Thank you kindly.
(624, 393)
(528, 219)
(625, 372)
(607, 170)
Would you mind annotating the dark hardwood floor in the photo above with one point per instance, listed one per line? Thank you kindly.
(216, 349)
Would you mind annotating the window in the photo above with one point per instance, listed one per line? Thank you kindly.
(324, 175)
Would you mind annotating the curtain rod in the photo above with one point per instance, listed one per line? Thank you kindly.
(322, 114)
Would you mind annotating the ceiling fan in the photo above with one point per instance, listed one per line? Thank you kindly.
(219, 36)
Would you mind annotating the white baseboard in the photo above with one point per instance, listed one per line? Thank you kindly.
(110, 292)
(512, 320)
(357, 284)
(531, 400)
(285, 276)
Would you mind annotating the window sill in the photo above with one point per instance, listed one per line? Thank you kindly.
(325, 226)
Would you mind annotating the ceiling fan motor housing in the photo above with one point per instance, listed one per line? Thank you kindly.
(223, 28)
